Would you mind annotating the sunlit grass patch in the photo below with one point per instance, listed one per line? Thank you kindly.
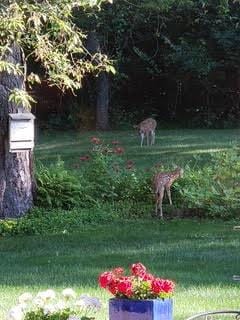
(176, 146)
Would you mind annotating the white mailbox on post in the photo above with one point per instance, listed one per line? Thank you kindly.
(21, 131)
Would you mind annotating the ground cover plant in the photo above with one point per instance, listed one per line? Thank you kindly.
(200, 257)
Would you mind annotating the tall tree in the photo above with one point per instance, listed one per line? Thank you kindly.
(102, 85)
(44, 31)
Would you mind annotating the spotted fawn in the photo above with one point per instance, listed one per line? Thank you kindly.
(163, 181)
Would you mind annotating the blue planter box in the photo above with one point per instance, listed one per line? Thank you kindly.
(127, 309)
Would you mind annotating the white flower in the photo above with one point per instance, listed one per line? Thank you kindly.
(46, 295)
(23, 306)
(39, 302)
(49, 309)
(96, 303)
(41, 295)
(50, 294)
(68, 293)
(15, 313)
(83, 296)
(60, 305)
(80, 303)
(25, 297)
(88, 302)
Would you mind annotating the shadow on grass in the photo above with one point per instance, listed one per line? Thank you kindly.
(190, 252)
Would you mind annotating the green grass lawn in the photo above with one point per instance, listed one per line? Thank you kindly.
(200, 256)
(172, 146)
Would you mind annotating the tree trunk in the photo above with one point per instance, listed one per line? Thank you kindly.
(16, 177)
(102, 104)
(102, 86)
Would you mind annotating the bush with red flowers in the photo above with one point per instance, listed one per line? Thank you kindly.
(139, 285)
(96, 140)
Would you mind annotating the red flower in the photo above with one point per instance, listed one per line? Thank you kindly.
(118, 271)
(148, 277)
(113, 286)
(115, 142)
(125, 286)
(162, 286)
(105, 279)
(139, 285)
(119, 150)
(138, 269)
(129, 164)
(84, 158)
(95, 140)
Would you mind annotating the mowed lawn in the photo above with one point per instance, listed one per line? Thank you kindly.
(200, 256)
(176, 147)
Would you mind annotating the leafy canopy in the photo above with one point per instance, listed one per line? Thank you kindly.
(46, 32)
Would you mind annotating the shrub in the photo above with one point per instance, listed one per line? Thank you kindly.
(213, 188)
(55, 221)
(107, 177)
(58, 188)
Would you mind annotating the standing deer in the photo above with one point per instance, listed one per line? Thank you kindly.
(163, 181)
(147, 128)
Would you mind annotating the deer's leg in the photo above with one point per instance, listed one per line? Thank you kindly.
(153, 137)
(160, 199)
(142, 138)
(147, 134)
(157, 203)
(169, 195)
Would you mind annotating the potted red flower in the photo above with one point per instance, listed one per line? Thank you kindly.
(138, 296)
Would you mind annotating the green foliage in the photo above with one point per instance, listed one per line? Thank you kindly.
(213, 189)
(193, 58)
(8, 67)
(107, 177)
(47, 33)
(208, 189)
(21, 98)
(104, 177)
(56, 187)
(55, 221)
(8, 227)
(40, 315)
(159, 44)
